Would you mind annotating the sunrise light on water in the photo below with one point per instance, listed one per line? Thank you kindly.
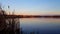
(29, 16)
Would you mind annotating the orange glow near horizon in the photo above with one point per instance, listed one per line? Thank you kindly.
(47, 13)
(35, 13)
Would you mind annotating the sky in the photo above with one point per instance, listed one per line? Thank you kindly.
(32, 7)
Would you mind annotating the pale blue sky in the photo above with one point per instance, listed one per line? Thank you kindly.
(33, 7)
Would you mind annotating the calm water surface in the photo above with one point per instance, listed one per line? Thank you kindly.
(40, 25)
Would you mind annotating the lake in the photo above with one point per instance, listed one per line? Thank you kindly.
(40, 25)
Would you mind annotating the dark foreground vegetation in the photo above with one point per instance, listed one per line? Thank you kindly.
(10, 25)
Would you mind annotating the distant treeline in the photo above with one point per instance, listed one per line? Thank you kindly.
(38, 16)
(30, 16)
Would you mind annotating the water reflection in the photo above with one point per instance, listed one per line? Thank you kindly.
(40, 25)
